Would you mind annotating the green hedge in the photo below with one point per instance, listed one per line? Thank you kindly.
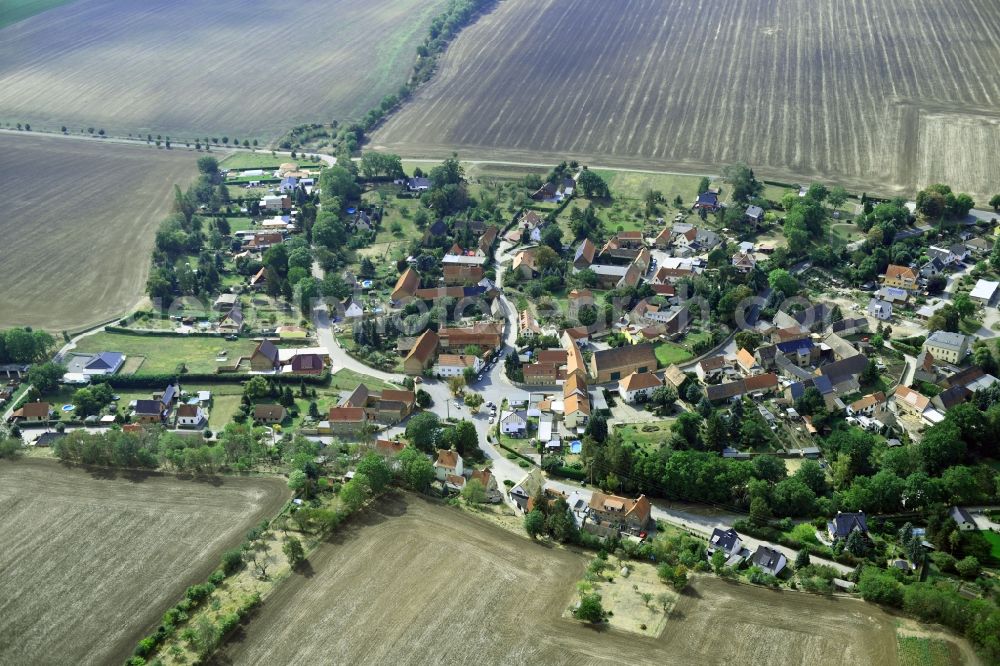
(518, 455)
(121, 330)
(569, 473)
(159, 380)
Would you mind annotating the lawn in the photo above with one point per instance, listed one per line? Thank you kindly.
(635, 184)
(668, 353)
(994, 540)
(914, 651)
(346, 380)
(163, 354)
(261, 160)
(647, 435)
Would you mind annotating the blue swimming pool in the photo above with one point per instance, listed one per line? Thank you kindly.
(575, 446)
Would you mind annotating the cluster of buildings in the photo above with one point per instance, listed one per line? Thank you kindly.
(365, 407)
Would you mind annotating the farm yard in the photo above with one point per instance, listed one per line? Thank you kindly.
(833, 90)
(140, 67)
(91, 561)
(484, 583)
(78, 227)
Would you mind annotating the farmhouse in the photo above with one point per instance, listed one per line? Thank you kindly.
(708, 201)
(611, 365)
(484, 335)
(584, 255)
(514, 423)
(881, 310)
(342, 420)
(638, 386)
(406, 285)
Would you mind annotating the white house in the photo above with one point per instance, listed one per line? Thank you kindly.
(353, 311)
(638, 386)
(104, 363)
(963, 519)
(448, 463)
(880, 309)
(454, 365)
(191, 416)
(984, 291)
(513, 423)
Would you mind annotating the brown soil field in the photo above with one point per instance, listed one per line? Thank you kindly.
(91, 561)
(185, 68)
(78, 226)
(411, 582)
(882, 94)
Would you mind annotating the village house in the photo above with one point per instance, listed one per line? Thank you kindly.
(32, 412)
(620, 513)
(265, 357)
(901, 277)
(708, 201)
(527, 325)
(947, 347)
(406, 285)
(462, 276)
(486, 336)
(769, 560)
(584, 255)
(963, 519)
(344, 420)
(268, 414)
(421, 355)
(748, 363)
(191, 416)
(638, 386)
(514, 423)
(881, 310)
(455, 365)
(867, 405)
(843, 524)
(448, 463)
(712, 368)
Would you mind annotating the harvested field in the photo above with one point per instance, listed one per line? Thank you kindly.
(91, 561)
(836, 90)
(246, 69)
(412, 582)
(78, 226)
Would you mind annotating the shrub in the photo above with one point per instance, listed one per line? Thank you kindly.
(217, 577)
(145, 646)
(232, 561)
(198, 593)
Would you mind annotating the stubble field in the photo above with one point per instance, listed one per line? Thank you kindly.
(879, 94)
(412, 582)
(91, 562)
(186, 68)
(78, 226)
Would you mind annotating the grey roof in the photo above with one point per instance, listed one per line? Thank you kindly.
(844, 369)
(755, 211)
(769, 559)
(947, 340)
(170, 394)
(148, 407)
(818, 312)
(608, 269)
(105, 361)
(726, 540)
(844, 523)
(958, 512)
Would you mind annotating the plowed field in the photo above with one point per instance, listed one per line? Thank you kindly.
(91, 562)
(417, 583)
(872, 93)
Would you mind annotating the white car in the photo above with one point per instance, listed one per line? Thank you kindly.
(492, 418)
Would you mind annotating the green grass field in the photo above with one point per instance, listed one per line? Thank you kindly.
(346, 380)
(258, 160)
(635, 184)
(668, 353)
(18, 10)
(163, 354)
(914, 651)
(649, 435)
(994, 540)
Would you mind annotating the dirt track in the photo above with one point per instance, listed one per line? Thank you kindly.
(417, 583)
(91, 561)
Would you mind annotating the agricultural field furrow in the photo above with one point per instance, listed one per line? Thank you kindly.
(94, 559)
(78, 226)
(830, 89)
(189, 68)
